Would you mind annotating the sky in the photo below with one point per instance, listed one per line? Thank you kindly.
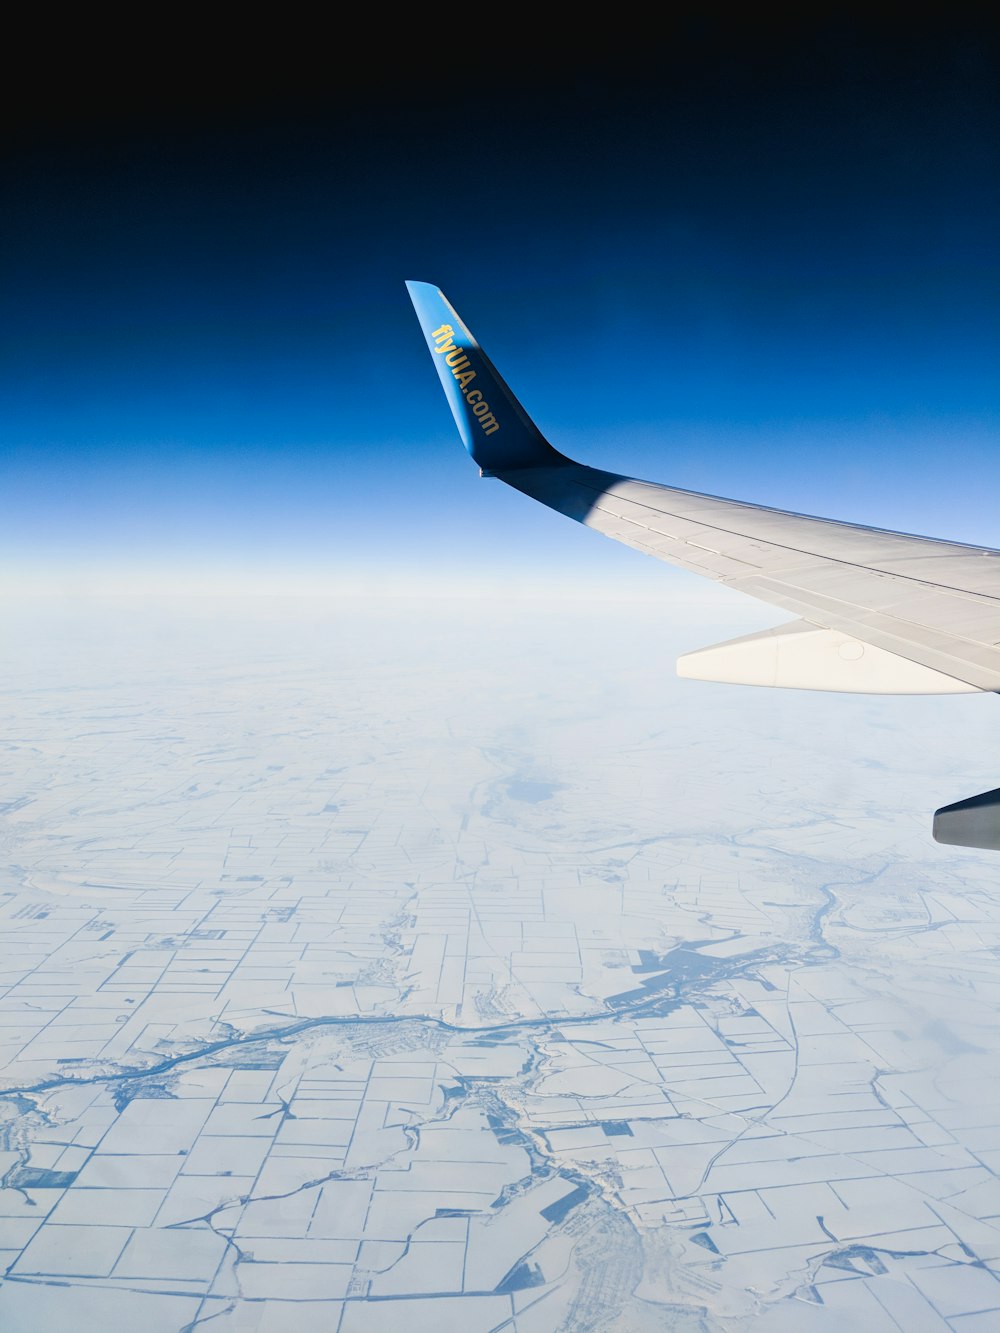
(758, 259)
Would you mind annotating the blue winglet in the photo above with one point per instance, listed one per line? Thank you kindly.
(494, 427)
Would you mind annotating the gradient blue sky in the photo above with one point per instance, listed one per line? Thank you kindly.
(758, 261)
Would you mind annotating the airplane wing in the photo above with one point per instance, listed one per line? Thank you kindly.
(877, 611)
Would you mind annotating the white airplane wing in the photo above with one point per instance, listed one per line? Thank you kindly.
(878, 612)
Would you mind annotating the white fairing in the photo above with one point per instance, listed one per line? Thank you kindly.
(807, 657)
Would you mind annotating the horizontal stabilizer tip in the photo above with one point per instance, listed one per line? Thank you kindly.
(494, 427)
(974, 822)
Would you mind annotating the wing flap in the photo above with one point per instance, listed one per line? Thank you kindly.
(804, 656)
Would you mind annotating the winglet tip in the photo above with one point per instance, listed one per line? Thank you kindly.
(481, 403)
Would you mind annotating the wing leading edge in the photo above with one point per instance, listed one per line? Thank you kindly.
(878, 611)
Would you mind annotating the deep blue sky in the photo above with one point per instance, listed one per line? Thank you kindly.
(761, 262)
